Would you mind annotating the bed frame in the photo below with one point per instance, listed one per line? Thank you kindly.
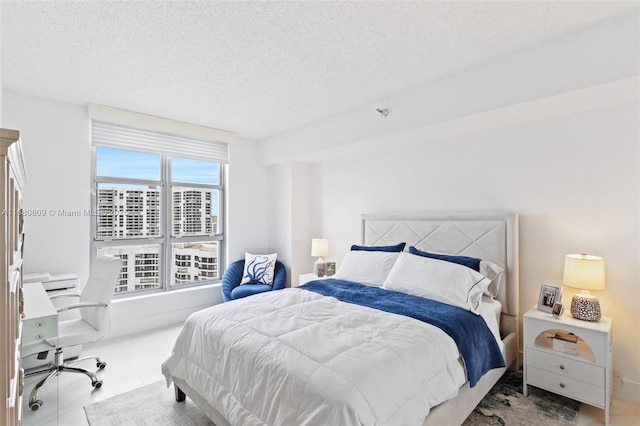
(489, 236)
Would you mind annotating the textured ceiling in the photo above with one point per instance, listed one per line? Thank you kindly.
(260, 68)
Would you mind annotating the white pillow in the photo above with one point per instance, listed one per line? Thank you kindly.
(366, 267)
(259, 268)
(438, 280)
(496, 274)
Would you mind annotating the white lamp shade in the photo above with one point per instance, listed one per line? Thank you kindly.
(584, 271)
(319, 247)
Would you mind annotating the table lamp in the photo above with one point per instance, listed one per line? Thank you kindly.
(320, 249)
(585, 272)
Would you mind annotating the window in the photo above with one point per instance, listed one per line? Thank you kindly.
(157, 209)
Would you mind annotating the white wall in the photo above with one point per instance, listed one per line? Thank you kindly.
(303, 220)
(279, 211)
(248, 201)
(290, 213)
(55, 138)
(57, 146)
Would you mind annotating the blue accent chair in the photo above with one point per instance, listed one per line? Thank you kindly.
(231, 288)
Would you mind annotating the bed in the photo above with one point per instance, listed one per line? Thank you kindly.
(319, 355)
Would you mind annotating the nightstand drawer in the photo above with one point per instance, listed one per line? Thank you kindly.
(566, 386)
(556, 364)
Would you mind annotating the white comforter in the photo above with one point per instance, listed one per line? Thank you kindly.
(294, 357)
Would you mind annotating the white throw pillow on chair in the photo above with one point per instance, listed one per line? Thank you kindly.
(259, 268)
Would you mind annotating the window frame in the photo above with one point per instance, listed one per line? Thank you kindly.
(166, 239)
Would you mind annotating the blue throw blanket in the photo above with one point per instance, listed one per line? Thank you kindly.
(475, 341)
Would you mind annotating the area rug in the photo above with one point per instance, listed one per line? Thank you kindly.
(154, 405)
(506, 405)
(151, 405)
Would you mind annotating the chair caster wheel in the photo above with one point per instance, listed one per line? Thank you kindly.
(35, 405)
(97, 384)
(101, 365)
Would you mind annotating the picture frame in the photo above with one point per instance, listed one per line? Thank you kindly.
(558, 310)
(331, 268)
(549, 295)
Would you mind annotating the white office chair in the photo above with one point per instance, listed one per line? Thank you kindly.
(92, 325)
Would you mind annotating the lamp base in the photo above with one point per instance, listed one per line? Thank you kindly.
(320, 268)
(585, 307)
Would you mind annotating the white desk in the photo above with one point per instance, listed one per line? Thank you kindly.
(40, 319)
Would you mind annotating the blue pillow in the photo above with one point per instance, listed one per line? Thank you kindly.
(470, 262)
(392, 249)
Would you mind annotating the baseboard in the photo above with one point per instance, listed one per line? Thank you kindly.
(629, 391)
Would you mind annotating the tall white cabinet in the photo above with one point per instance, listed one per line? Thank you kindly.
(12, 180)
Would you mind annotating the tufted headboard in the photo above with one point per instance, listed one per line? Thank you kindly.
(488, 236)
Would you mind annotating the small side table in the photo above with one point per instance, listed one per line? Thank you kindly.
(585, 376)
(305, 278)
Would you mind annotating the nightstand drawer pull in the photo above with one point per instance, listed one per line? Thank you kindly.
(561, 367)
(562, 385)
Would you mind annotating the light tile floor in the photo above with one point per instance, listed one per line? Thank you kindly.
(623, 413)
(134, 361)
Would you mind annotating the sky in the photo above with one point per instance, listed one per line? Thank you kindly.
(112, 162)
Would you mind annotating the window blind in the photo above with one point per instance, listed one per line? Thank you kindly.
(123, 137)
(122, 129)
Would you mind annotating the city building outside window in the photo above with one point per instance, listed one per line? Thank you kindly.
(161, 214)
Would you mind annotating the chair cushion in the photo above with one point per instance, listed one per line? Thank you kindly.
(249, 289)
(76, 332)
(233, 275)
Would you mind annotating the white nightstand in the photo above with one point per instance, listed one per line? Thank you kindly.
(305, 278)
(585, 377)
